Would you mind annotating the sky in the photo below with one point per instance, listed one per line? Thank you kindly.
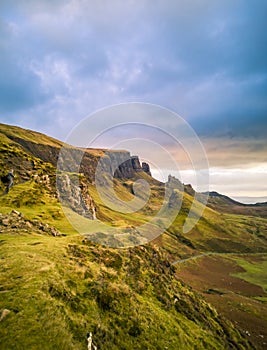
(206, 60)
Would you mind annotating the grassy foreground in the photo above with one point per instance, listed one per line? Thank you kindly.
(58, 288)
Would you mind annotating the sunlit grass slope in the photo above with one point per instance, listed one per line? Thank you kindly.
(57, 289)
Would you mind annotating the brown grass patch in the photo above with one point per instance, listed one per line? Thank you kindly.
(237, 302)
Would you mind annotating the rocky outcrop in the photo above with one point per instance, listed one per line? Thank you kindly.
(174, 183)
(87, 199)
(17, 223)
(136, 163)
(146, 168)
(73, 192)
(45, 180)
(174, 188)
(91, 163)
(117, 164)
(189, 189)
(121, 165)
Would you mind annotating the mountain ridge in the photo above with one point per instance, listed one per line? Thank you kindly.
(29, 141)
(226, 204)
(48, 149)
(233, 201)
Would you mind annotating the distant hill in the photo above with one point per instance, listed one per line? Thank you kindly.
(223, 197)
(231, 200)
(251, 200)
(226, 204)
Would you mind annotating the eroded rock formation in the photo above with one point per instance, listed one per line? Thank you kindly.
(73, 192)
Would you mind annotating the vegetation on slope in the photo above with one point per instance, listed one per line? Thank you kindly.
(235, 284)
(58, 288)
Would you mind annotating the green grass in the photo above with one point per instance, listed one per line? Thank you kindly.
(29, 267)
(59, 288)
(255, 273)
(28, 135)
(36, 203)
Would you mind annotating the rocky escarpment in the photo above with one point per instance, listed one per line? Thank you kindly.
(146, 168)
(118, 164)
(73, 192)
(127, 169)
(174, 183)
(46, 153)
(92, 163)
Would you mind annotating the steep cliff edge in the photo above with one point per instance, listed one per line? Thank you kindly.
(37, 157)
(73, 192)
(119, 164)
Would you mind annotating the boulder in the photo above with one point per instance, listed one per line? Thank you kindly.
(4, 314)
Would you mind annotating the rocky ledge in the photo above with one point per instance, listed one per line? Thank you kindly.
(16, 222)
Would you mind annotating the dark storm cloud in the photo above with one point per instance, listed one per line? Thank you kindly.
(204, 59)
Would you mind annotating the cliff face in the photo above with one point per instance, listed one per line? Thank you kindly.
(146, 168)
(130, 166)
(36, 157)
(46, 153)
(119, 164)
(74, 193)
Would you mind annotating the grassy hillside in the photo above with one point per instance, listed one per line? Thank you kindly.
(55, 289)
(15, 132)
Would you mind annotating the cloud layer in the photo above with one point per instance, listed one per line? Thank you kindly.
(205, 60)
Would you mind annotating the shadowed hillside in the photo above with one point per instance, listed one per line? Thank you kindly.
(225, 204)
